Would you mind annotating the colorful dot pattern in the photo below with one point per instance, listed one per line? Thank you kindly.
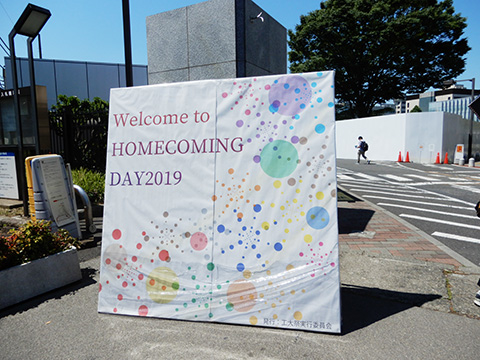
(261, 246)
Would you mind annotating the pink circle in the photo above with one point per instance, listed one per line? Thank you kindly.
(267, 87)
(124, 284)
(163, 255)
(143, 310)
(116, 234)
(224, 95)
(247, 112)
(120, 297)
(134, 259)
(198, 241)
(139, 246)
(140, 277)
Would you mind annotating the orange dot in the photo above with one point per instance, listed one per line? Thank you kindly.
(257, 187)
(231, 171)
(164, 288)
(240, 215)
(152, 282)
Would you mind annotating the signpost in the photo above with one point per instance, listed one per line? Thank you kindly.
(220, 203)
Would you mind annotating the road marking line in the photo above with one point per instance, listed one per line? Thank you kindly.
(440, 221)
(418, 202)
(467, 188)
(422, 177)
(404, 195)
(391, 189)
(428, 210)
(345, 177)
(456, 237)
(368, 177)
(396, 178)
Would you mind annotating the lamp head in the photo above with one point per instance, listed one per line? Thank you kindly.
(31, 21)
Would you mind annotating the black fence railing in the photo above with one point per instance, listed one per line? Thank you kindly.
(80, 137)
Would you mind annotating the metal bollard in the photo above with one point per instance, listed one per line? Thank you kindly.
(461, 162)
(471, 162)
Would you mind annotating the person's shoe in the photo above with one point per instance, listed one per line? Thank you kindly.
(477, 298)
(368, 162)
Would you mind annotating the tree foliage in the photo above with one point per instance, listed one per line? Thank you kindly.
(380, 49)
(83, 125)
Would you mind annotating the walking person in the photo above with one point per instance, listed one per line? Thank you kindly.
(362, 147)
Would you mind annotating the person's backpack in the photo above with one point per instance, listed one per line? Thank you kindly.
(365, 146)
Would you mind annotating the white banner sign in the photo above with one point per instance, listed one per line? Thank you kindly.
(221, 203)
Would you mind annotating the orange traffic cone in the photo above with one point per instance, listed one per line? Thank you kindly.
(399, 156)
(407, 158)
(437, 161)
(446, 158)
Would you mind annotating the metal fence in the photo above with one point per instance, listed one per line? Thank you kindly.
(80, 137)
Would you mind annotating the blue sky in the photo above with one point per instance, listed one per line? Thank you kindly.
(92, 30)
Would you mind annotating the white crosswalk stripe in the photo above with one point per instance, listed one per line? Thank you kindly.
(396, 177)
(423, 177)
(469, 226)
(456, 237)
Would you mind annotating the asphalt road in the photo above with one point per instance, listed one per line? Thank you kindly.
(437, 199)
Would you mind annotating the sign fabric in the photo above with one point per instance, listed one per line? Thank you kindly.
(220, 203)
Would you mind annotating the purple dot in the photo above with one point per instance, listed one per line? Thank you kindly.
(258, 114)
(239, 123)
(295, 139)
(256, 159)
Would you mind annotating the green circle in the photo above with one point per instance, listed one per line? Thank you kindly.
(279, 159)
(229, 306)
(210, 266)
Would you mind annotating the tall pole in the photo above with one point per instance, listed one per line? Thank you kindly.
(18, 121)
(127, 43)
(33, 94)
(470, 133)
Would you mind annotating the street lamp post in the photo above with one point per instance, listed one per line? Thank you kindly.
(470, 133)
(28, 24)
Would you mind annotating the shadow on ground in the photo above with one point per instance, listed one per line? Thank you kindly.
(87, 280)
(364, 306)
(353, 220)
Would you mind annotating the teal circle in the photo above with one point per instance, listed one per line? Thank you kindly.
(317, 217)
(279, 159)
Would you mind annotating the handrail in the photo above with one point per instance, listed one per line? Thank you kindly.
(87, 207)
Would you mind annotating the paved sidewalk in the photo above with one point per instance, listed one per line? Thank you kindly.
(404, 296)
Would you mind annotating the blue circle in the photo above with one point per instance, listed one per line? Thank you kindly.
(259, 256)
(278, 246)
(257, 208)
(240, 267)
(221, 228)
(331, 104)
(319, 100)
(320, 128)
(317, 217)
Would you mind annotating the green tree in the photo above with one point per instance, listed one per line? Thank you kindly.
(86, 136)
(380, 49)
(416, 108)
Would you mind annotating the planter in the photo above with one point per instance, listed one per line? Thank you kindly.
(25, 281)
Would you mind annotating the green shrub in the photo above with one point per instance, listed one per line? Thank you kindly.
(92, 182)
(33, 241)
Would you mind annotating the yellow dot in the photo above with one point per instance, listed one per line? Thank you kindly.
(320, 195)
(292, 292)
(297, 191)
(275, 316)
(277, 184)
(289, 221)
(298, 315)
(253, 320)
(295, 201)
(269, 272)
(282, 293)
(272, 205)
(284, 241)
(282, 207)
(308, 238)
(290, 267)
(274, 305)
(247, 274)
(265, 226)
(261, 295)
(287, 231)
(302, 213)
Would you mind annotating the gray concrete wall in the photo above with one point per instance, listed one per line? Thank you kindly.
(215, 39)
